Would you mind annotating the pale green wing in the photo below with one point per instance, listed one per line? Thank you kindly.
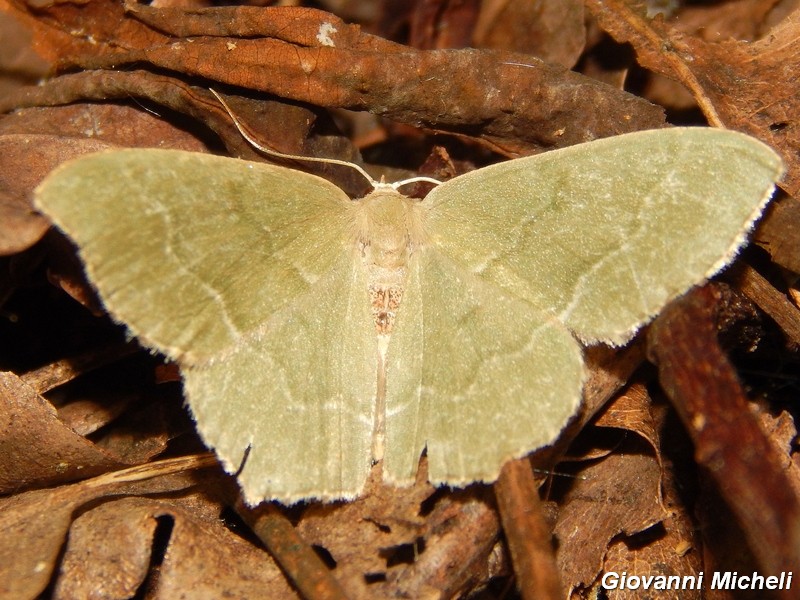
(301, 396)
(245, 273)
(474, 374)
(193, 251)
(603, 234)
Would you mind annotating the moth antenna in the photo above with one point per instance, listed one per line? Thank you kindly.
(331, 161)
(261, 148)
(419, 179)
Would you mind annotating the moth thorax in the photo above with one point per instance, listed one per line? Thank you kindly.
(386, 223)
(389, 226)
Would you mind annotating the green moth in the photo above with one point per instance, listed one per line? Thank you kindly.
(323, 333)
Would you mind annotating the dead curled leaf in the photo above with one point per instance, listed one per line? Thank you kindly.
(29, 421)
(26, 160)
(631, 501)
(111, 543)
(627, 507)
(110, 552)
(519, 102)
(755, 92)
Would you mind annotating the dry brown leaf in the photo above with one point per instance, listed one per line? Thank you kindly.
(618, 495)
(35, 524)
(737, 19)
(665, 554)
(756, 92)
(285, 127)
(437, 25)
(779, 233)
(460, 538)
(108, 123)
(18, 61)
(35, 141)
(26, 161)
(674, 546)
(781, 430)
(552, 31)
(86, 415)
(383, 542)
(110, 552)
(630, 411)
(61, 29)
(461, 90)
(36, 447)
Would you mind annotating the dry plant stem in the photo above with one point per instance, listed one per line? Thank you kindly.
(527, 532)
(150, 470)
(60, 372)
(729, 443)
(770, 300)
(302, 566)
